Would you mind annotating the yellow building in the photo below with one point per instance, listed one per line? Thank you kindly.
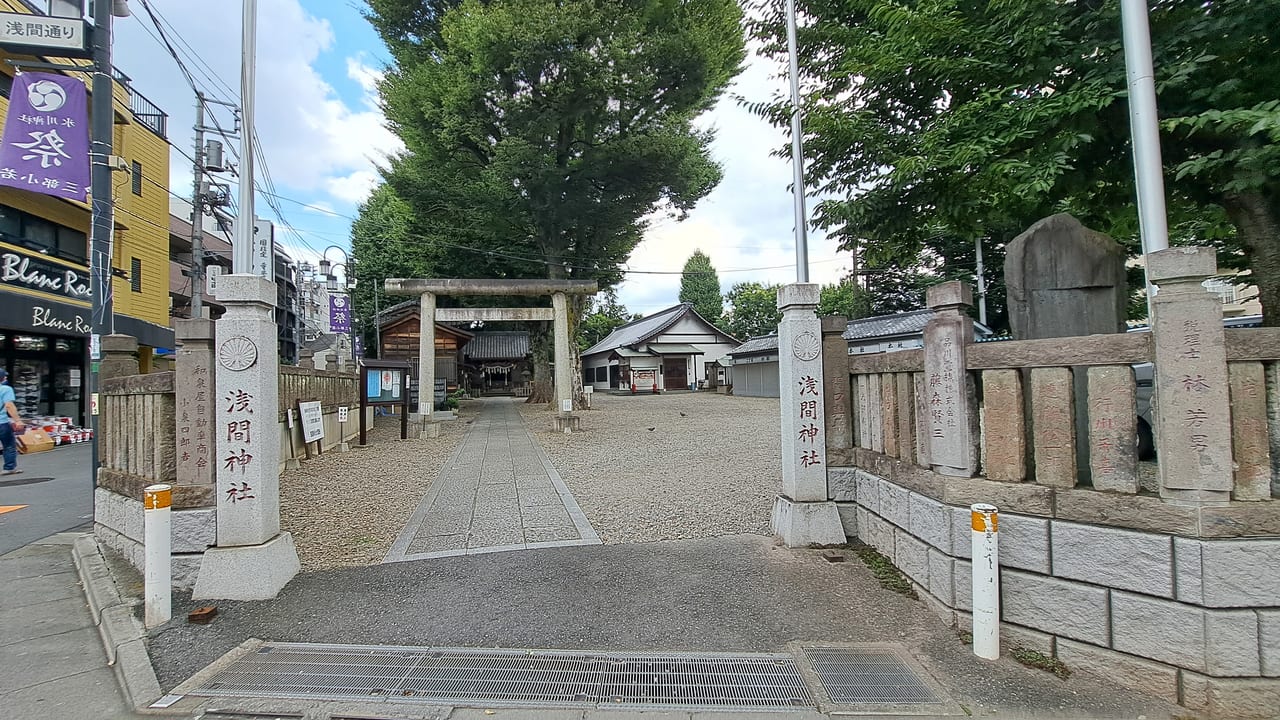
(44, 325)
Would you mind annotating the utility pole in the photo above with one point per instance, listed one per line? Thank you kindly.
(982, 283)
(243, 249)
(797, 150)
(103, 210)
(197, 216)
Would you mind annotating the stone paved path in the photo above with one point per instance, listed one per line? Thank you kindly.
(498, 492)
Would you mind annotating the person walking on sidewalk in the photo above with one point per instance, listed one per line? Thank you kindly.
(10, 425)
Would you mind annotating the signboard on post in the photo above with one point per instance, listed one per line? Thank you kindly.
(343, 412)
(312, 416)
(384, 382)
(38, 34)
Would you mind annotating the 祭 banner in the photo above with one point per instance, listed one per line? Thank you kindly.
(339, 314)
(45, 147)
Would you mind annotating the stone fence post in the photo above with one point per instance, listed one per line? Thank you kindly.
(803, 513)
(119, 356)
(835, 381)
(194, 402)
(1193, 417)
(949, 421)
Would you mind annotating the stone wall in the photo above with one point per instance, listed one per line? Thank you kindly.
(1192, 620)
(139, 447)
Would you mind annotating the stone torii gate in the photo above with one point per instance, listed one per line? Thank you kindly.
(558, 313)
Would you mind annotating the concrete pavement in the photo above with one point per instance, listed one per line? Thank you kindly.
(52, 662)
(731, 594)
(498, 492)
(53, 493)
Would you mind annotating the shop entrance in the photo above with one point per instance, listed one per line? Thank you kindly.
(46, 373)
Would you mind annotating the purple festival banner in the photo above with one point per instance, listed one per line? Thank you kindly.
(339, 314)
(45, 147)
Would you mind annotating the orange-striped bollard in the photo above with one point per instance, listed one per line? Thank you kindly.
(986, 580)
(156, 528)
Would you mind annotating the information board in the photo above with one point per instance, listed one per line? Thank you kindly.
(312, 416)
(383, 385)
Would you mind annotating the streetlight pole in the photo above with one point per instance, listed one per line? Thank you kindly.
(103, 205)
(797, 149)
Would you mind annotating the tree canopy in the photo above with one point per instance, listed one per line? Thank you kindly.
(938, 123)
(605, 314)
(753, 310)
(540, 134)
(700, 285)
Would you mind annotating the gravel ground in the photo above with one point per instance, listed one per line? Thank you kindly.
(337, 505)
(669, 467)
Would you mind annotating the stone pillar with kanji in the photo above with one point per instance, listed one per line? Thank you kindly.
(194, 409)
(253, 560)
(803, 514)
(1193, 417)
(949, 421)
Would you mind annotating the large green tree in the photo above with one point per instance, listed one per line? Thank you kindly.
(604, 315)
(539, 134)
(940, 122)
(700, 285)
(753, 310)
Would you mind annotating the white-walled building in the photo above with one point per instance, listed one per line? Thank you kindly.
(669, 350)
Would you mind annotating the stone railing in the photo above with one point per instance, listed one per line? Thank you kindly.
(330, 387)
(135, 427)
(1161, 575)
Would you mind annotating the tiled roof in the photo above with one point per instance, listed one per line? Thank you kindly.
(908, 323)
(637, 331)
(498, 345)
(758, 344)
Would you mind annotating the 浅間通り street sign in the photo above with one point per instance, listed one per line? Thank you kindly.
(68, 36)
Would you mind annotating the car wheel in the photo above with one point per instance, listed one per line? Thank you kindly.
(1146, 441)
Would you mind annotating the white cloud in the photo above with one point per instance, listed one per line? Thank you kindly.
(314, 142)
(353, 188)
(746, 224)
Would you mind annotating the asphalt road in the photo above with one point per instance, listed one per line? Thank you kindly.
(53, 493)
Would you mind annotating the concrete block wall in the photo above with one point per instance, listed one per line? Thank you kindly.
(1191, 620)
(118, 524)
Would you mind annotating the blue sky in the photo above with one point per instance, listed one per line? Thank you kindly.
(322, 135)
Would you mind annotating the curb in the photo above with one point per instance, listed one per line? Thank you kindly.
(122, 634)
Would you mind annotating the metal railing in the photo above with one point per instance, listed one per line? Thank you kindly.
(142, 109)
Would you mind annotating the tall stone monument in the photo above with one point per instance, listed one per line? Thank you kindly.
(1064, 280)
(803, 514)
(253, 560)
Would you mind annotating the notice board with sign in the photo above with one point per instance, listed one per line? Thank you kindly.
(383, 383)
(311, 416)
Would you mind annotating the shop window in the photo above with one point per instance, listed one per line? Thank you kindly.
(68, 345)
(137, 178)
(40, 233)
(30, 342)
(6, 85)
(135, 274)
(10, 222)
(72, 244)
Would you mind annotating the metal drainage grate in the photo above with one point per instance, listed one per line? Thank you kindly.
(853, 676)
(514, 677)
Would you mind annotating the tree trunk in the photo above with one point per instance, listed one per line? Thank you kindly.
(1258, 222)
(541, 346)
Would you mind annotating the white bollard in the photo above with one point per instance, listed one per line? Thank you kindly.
(986, 580)
(156, 524)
